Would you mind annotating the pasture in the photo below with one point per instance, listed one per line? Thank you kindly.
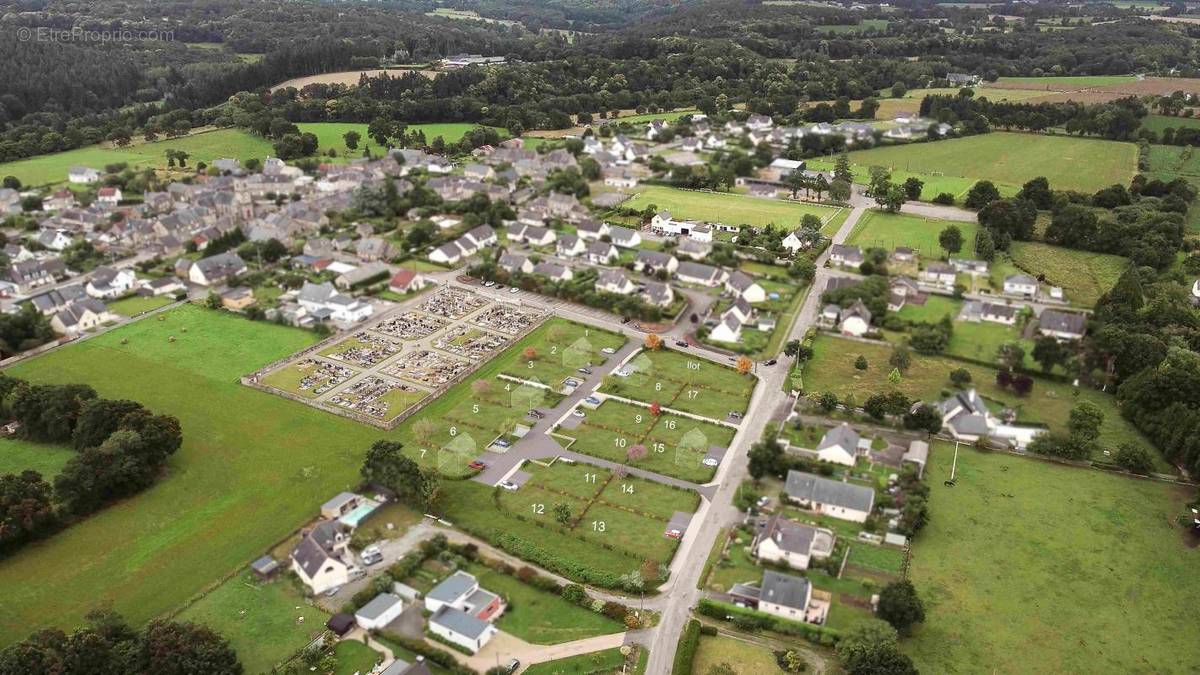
(1064, 82)
(330, 135)
(203, 146)
(879, 229)
(729, 208)
(136, 304)
(1010, 159)
(1157, 123)
(17, 455)
(253, 468)
(1033, 567)
(1084, 276)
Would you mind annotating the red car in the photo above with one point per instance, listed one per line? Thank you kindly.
(476, 465)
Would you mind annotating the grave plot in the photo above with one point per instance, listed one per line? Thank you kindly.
(410, 326)
(376, 397)
(309, 377)
(507, 318)
(452, 303)
(470, 343)
(427, 367)
(363, 349)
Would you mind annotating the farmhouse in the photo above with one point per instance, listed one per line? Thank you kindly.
(744, 286)
(320, 559)
(833, 498)
(463, 612)
(1062, 325)
(790, 543)
(1022, 285)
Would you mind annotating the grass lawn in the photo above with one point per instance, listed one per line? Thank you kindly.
(980, 341)
(1032, 567)
(878, 229)
(540, 617)
(1084, 276)
(729, 208)
(743, 657)
(934, 184)
(1050, 402)
(560, 348)
(329, 135)
(253, 468)
(261, 621)
(354, 657)
(1010, 159)
(136, 304)
(203, 147)
(607, 661)
(18, 455)
(1157, 123)
(678, 381)
(935, 307)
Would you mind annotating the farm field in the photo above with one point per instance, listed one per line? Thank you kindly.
(261, 621)
(18, 455)
(1060, 534)
(933, 184)
(680, 382)
(1050, 402)
(878, 229)
(136, 304)
(1064, 82)
(743, 657)
(729, 208)
(1011, 159)
(253, 468)
(203, 147)
(1084, 276)
(329, 135)
(1171, 161)
(348, 77)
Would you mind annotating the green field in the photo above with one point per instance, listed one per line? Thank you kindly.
(878, 229)
(743, 657)
(203, 147)
(538, 616)
(681, 382)
(935, 307)
(607, 661)
(933, 184)
(1050, 402)
(1168, 162)
(1157, 123)
(261, 621)
(729, 208)
(329, 135)
(980, 341)
(1010, 159)
(1069, 81)
(354, 658)
(253, 467)
(1031, 567)
(1084, 276)
(18, 455)
(136, 304)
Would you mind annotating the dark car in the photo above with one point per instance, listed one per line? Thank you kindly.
(771, 362)
(682, 343)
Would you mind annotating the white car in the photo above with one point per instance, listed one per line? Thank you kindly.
(489, 283)
(578, 413)
(508, 485)
(608, 350)
(514, 289)
(623, 373)
(710, 461)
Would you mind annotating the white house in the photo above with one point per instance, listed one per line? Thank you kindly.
(839, 445)
(448, 254)
(698, 273)
(107, 282)
(81, 315)
(515, 262)
(553, 271)
(789, 597)
(744, 286)
(320, 559)
(855, 320)
(801, 239)
(570, 246)
(614, 281)
(324, 300)
(730, 327)
(965, 416)
(1005, 314)
(833, 498)
(658, 294)
(82, 175)
(1062, 325)
(379, 612)
(109, 196)
(790, 543)
(701, 232)
(602, 253)
(939, 274)
(463, 612)
(591, 230)
(650, 262)
(1022, 285)
(624, 237)
(845, 255)
(215, 270)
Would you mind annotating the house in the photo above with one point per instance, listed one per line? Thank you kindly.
(855, 320)
(790, 543)
(237, 298)
(448, 254)
(655, 128)
(839, 445)
(407, 280)
(1062, 325)
(531, 234)
(31, 274)
(462, 611)
(401, 667)
(55, 240)
(744, 286)
(701, 232)
(164, 286)
(82, 175)
(962, 79)
(79, 316)
(602, 253)
(624, 237)
(109, 196)
(650, 262)
(801, 239)
(697, 273)
(217, 269)
(107, 282)
(515, 262)
(846, 256)
(661, 222)
(939, 274)
(789, 597)
(730, 327)
(379, 612)
(658, 294)
(1005, 314)
(904, 254)
(553, 271)
(614, 281)
(481, 236)
(372, 249)
(620, 178)
(693, 248)
(965, 416)
(1022, 285)
(321, 559)
(917, 455)
(968, 266)
(323, 298)
(781, 167)
(591, 230)
(840, 500)
(56, 299)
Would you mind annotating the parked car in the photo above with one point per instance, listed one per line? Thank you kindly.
(513, 665)
(735, 414)
(371, 555)
(608, 350)
(682, 343)
(578, 413)
(592, 400)
(771, 362)
(476, 465)
(489, 283)
(584, 371)
(674, 534)
(536, 414)
(710, 461)
(509, 485)
(514, 289)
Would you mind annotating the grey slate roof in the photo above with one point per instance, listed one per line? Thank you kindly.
(785, 590)
(460, 622)
(378, 606)
(843, 436)
(1062, 322)
(452, 587)
(812, 488)
(788, 535)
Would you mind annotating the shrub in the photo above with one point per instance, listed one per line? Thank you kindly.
(708, 630)
(574, 593)
(614, 610)
(944, 198)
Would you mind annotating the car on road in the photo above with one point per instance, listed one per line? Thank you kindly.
(735, 414)
(771, 362)
(578, 413)
(514, 289)
(682, 344)
(584, 371)
(592, 400)
(477, 466)
(513, 665)
(489, 283)
(710, 461)
(509, 485)
(608, 350)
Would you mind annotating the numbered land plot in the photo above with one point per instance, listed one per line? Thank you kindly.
(557, 350)
(363, 349)
(452, 303)
(427, 367)
(482, 412)
(309, 377)
(648, 498)
(469, 342)
(686, 383)
(671, 445)
(507, 318)
(610, 526)
(376, 397)
(410, 326)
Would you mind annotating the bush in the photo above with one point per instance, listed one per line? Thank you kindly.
(944, 198)
(708, 630)
(686, 653)
(614, 610)
(574, 594)
(815, 634)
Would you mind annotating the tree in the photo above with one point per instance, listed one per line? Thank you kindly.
(171, 648)
(900, 606)
(827, 401)
(913, 187)
(212, 301)
(901, 357)
(424, 428)
(861, 363)
(765, 458)
(841, 169)
(351, 138)
(744, 364)
(961, 377)
(1084, 421)
(562, 513)
(872, 647)
(635, 453)
(924, 417)
(653, 341)
(951, 239)
(530, 353)
(839, 190)
(386, 466)
(981, 194)
(796, 180)
(985, 247)
(1010, 355)
(26, 509)
(1037, 190)
(1133, 458)
(1048, 352)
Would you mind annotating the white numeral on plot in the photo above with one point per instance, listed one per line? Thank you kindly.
(538, 509)
(619, 442)
(599, 526)
(627, 488)
(589, 478)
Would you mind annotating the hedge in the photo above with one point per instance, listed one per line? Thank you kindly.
(441, 657)
(533, 553)
(750, 618)
(686, 653)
